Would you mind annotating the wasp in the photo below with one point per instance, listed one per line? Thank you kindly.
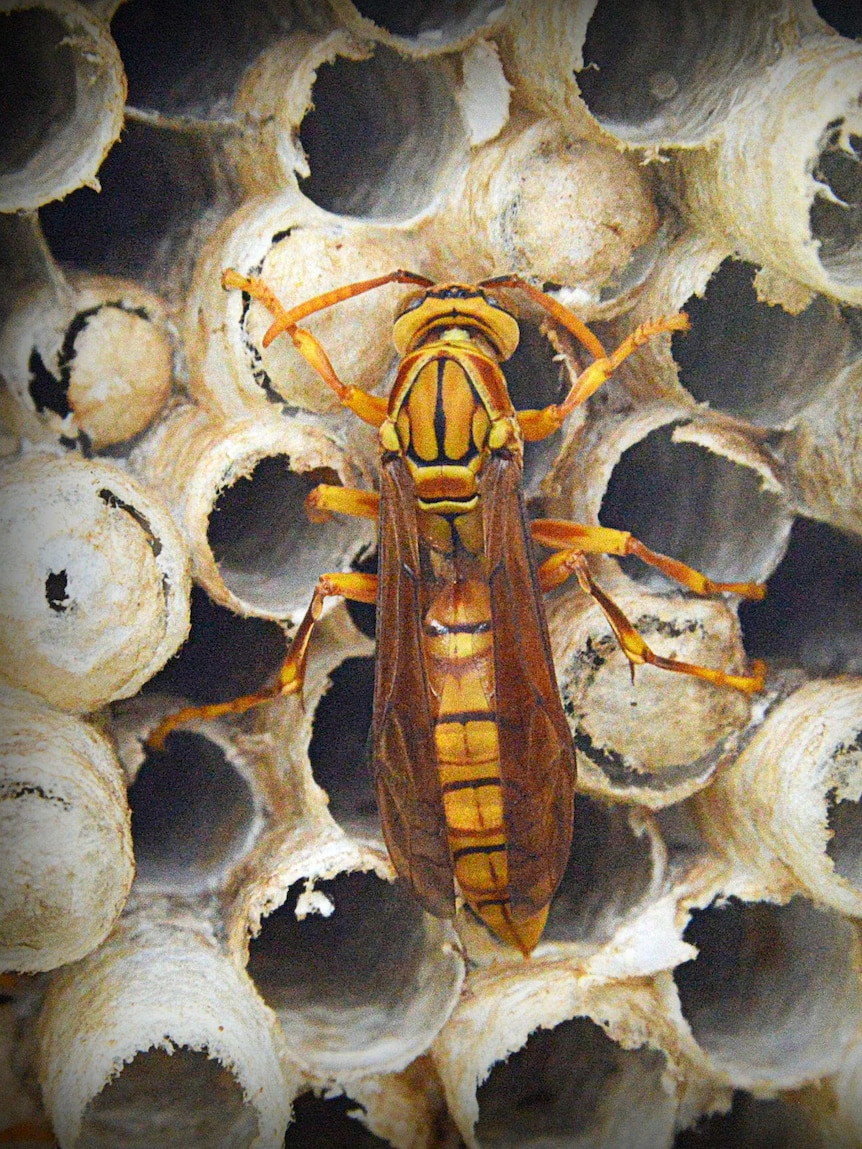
(471, 752)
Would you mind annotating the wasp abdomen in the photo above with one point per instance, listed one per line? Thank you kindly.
(459, 645)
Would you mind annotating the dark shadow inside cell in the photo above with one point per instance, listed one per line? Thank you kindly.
(192, 813)
(754, 360)
(563, 1086)
(379, 132)
(844, 821)
(647, 63)
(37, 83)
(328, 1123)
(269, 553)
(192, 1102)
(363, 956)
(836, 217)
(212, 42)
(364, 614)
(812, 614)
(338, 751)
(405, 19)
(696, 506)
(225, 655)
(536, 380)
(609, 873)
(155, 187)
(753, 1123)
(844, 18)
(772, 987)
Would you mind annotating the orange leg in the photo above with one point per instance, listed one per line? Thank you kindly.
(326, 500)
(562, 536)
(541, 423)
(559, 567)
(370, 408)
(354, 585)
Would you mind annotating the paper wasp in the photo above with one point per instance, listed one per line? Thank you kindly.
(471, 751)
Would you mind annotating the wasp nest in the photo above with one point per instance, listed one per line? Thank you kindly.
(265, 980)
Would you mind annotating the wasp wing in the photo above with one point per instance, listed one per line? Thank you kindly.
(537, 756)
(403, 753)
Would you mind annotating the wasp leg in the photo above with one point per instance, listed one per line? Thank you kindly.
(327, 499)
(559, 567)
(558, 311)
(370, 408)
(541, 423)
(562, 536)
(355, 585)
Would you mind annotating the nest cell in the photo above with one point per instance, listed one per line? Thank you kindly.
(157, 1038)
(607, 1095)
(773, 995)
(224, 656)
(65, 846)
(194, 814)
(755, 1123)
(211, 45)
(95, 583)
(381, 135)
(199, 1103)
(63, 90)
(329, 1123)
(338, 748)
(610, 872)
(836, 213)
(756, 361)
(812, 614)
(844, 821)
(257, 529)
(675, 497)
(365, 987)
(665, 73)
(158, 186)
(93, 364)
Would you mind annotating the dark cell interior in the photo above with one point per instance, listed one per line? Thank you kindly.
(687, 502)
(326, 1123)
(608, 874)
(199, 1104)
(155, 183)
(338, 750)
(37, 83)
(224, 656)
(191, 812)
(347, 960)
(259, 527)
(812, 614)
(753, 360)
(377, 134)
(844, 17)
(528, 1100)
(838, 226)
(771, 985)
(211, 45)
(753, 1123)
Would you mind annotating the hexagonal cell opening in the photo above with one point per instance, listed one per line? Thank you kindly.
(573, 1085)
(773, 993)
(194, 815)
(179, 1100)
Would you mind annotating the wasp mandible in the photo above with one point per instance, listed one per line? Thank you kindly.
(471, 751)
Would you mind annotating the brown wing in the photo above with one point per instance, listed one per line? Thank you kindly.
(537, 757)
(403, 754)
